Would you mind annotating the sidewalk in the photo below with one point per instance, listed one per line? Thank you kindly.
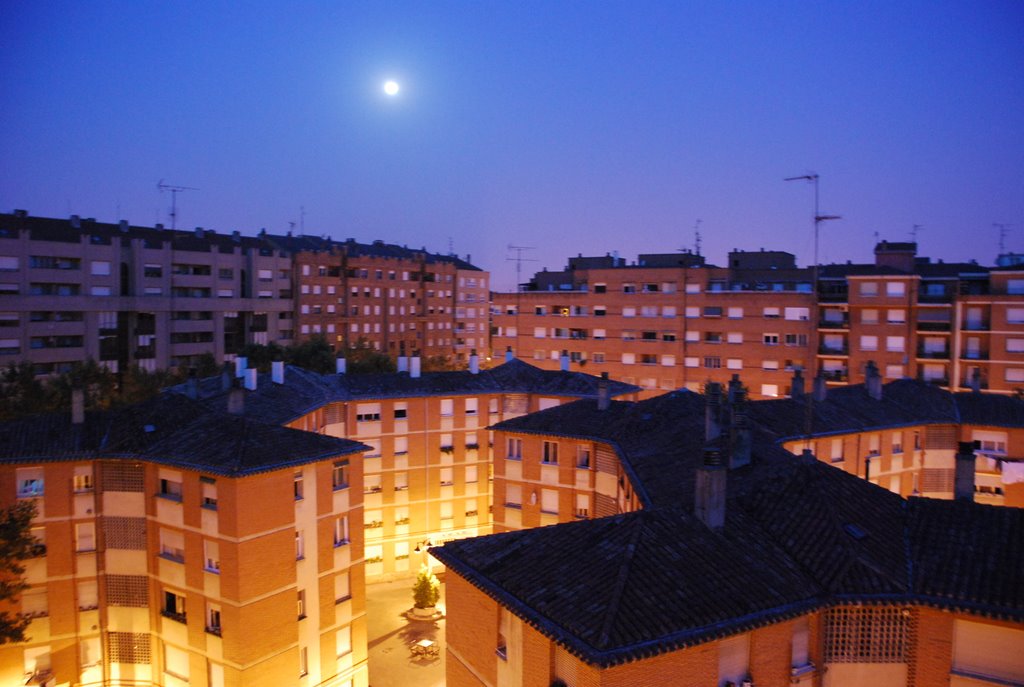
(390, 635)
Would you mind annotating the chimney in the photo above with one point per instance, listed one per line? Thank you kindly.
(797, 392)
(414, 365)
(963, 486)
(250, 379)
(975, 382)
(77, 406)
(820, 387)
(735, 388)
(340, 365)
(564, 361)
(603, 398)
(873, 381)
(712, 410)
(277, 372)
(241, 362)
(740, 439)
(508, 354)
(226, 376)
(76, 222)
(192, 384)
(403, 361)
(236, 399)
(710, 489)
(474, 363)
(123, 226)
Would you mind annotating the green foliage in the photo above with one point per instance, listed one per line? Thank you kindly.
(313, 354)
(363, 358)
(427, 589)
(442, 363)
(16, 545)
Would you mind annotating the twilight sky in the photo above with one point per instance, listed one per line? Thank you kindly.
(565, 126)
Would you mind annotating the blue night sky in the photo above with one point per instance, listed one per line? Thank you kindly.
(566, 126)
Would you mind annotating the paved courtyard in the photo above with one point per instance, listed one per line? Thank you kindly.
(391, 636)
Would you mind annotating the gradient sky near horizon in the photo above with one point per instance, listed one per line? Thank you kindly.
(568, 127)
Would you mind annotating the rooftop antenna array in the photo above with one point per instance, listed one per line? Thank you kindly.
(696, 236)
(913, 231)
(1004, 229)
(175, 190)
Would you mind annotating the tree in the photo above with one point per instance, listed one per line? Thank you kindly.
(16, 545)
(427, 589)
(364, 358)
(314, 354)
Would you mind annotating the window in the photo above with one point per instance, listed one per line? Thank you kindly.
(472, 405)
(342, 587)
(472, 474)
(549, 501)
(629, 311)
(770, 390)
(868, 343)
(30, 482)
(100, 268)
(8, 263)
(769, 364)
(447, 407)
(213, 619)
(303, 651)
(343, 641)
(896, 316)
(368, 412)
(301, 604)
(504, 631)
(897, 442)
(173, 606)
(734, 337)
(837, 451)
(772, 313)
(82, 480)
(515, 449)
(211, 556)
(1015, 345)
(668, 311)
(628, 358)
(209, 491)
(800, 314)
(85, 537)
(341, 531)
(990, 652)
(339, 475)
(770, 339)
(170, 486)
(1014, 316)
(172, 545)
(300, 545)
(401, 410)
(712, 362)
(513, 496)
(869, 289)
(176, 662)
(734, 363)
(692, 311)
(895, 288)
(691, 361)
(894, 371)
(668, 360)
(735, 313)
(298, 487)
(796, 339)
(550, 453)
(894, 344)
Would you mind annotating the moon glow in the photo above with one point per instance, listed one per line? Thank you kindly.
(391, 87)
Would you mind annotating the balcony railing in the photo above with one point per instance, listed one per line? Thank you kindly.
(835, 375)
(833, 350)
(934, 326)
(834, 324)
(942, 355)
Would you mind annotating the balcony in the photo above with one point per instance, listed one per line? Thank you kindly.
(835, 375)
(976, 326)
(833, 350)
(974, 355)
(932, 355)
(934, 298)
(937, 381)
(834, 324)
(933, 326)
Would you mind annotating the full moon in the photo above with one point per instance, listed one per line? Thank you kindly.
(391, 87)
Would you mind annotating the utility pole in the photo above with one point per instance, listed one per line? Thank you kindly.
(175, 190)
(519, 260)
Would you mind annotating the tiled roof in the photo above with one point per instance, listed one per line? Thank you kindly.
(304, 391)
(169, 429)
(799, 534)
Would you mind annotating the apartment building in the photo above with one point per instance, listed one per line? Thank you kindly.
(183, 544)
(726, 560)
(673, 321)
(427, 472)
(122, 294)
(392, 298)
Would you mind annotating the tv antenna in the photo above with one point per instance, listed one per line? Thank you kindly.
(1004, 229)
(519, 260)
(913, 231)
(696, 236)
(175, 190)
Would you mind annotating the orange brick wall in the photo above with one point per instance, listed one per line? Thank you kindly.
(471, 632)
(931, 650)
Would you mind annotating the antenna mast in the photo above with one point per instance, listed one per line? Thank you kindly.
(913, 231)
(519, 260)
(696, 236)
(175, 190)
(1004, 229)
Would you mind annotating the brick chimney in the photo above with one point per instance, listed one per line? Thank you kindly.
(797, 392)
(603, 397)
(77, 406)
(963, 486)
(277, 372)
(710, 489)
(740, 439)
(873, 381)
(820, 387)
(712, 411)
(474, 363)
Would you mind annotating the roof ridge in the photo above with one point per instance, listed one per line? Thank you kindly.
(619, 588)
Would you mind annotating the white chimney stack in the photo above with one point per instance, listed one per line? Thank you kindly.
(963, 475)
(710, 489)
(340, 365)
(474, 363)
(414, 365)
(77, 406)
(250, 379)
(564, 361)
(241, 362)
(277, 372)
(508, 354)
(603, 397)
(403, 363)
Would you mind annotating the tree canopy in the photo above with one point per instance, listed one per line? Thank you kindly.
(16, 545)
